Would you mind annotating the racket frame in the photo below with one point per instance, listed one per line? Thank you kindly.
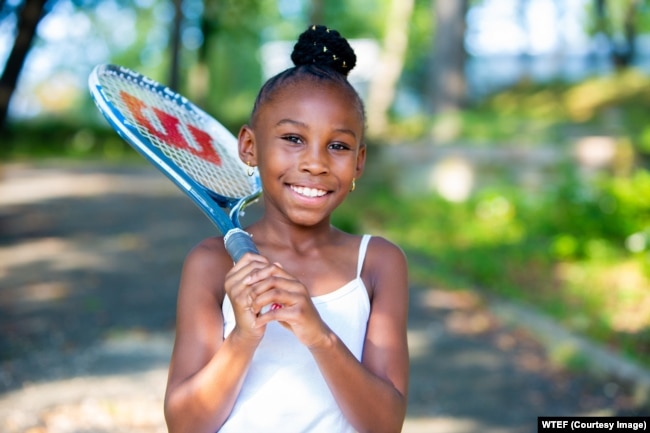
(229, 224)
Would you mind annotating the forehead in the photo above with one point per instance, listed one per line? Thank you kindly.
(312, 95)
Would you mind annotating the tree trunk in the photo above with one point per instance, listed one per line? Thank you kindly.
(622, 54)
(199, 73)
(383, 85)
(175, 46)
(629, 33)
(30, 15)
(316, 12)
(448, 83)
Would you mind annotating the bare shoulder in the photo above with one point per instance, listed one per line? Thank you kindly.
(208, 249)
(384, 255)
(201, 291)
(385, 266)
(383, 247)
(208, 253)
(205, 267)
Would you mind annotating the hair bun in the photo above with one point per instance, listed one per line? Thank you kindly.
(324, 47)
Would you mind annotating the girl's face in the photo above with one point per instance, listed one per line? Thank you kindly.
(307, 144)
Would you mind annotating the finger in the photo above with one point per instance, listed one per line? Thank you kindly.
(275, 283)
(263, 273)
(249, 259)
(246, 266)
(288, 307)
(270, 307)
(237, 289)
(277, 292)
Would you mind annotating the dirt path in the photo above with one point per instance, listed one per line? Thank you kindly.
(89, 263)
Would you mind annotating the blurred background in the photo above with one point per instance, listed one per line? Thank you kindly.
(509, 145)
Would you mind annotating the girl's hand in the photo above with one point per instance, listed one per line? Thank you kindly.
(240, 292)
(272, 285)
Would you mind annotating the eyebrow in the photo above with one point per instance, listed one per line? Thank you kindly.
(304, 125)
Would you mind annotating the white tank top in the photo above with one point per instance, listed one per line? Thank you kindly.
(284, 391)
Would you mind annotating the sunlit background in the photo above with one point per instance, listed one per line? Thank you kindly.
(509, 142)
(552, 35)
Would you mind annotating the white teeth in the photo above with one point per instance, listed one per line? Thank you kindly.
(308, 192)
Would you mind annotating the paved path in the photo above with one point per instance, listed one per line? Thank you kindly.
(89, 264)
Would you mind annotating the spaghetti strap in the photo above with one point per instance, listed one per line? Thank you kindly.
(362, 253)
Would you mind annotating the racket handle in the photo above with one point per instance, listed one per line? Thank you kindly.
(238, 243)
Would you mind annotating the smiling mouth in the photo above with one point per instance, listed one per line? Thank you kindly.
(308, 192)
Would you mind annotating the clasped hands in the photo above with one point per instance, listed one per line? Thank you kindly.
(254, 284)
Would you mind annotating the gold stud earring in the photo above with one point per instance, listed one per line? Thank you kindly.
(251, 170)
(354, 185)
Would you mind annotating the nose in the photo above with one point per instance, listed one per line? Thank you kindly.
(314, 160)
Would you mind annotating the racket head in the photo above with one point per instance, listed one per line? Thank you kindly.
(187, 144)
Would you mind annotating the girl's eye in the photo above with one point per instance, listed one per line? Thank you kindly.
(292, 138)
(339, 146)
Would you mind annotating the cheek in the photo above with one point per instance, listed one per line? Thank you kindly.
(352, 165)
(274, 163)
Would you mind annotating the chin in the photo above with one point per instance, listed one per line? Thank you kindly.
(307, 221)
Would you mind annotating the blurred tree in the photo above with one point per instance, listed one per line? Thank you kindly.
(317, 12)
(199, 79)
(175, 45)
(619, 22)
(228, 73)
(354, 19)
(384, 83)
(28, 14)
(227, 69)
(447, 89)
(24, 17)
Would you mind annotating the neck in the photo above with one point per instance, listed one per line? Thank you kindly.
(299, 239)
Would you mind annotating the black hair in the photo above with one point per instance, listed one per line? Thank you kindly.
(319, 54)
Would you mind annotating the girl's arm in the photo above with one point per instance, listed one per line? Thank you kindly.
(206, 372)
(373, 394)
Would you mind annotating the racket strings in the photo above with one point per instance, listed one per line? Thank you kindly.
(181, 134)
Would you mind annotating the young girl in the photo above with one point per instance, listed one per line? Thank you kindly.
(331, 355)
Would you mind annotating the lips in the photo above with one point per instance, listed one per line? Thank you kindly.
(308, 192)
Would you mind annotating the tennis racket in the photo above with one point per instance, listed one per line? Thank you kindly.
(193, 149)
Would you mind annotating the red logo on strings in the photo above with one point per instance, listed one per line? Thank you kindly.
(172, 133)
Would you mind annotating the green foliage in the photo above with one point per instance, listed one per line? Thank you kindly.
(618, 13)
(553, 114)
(234, 79)
(64, 140)
(565, 249)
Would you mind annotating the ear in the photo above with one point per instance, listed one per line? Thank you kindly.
(246, 145)
(361, 161)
